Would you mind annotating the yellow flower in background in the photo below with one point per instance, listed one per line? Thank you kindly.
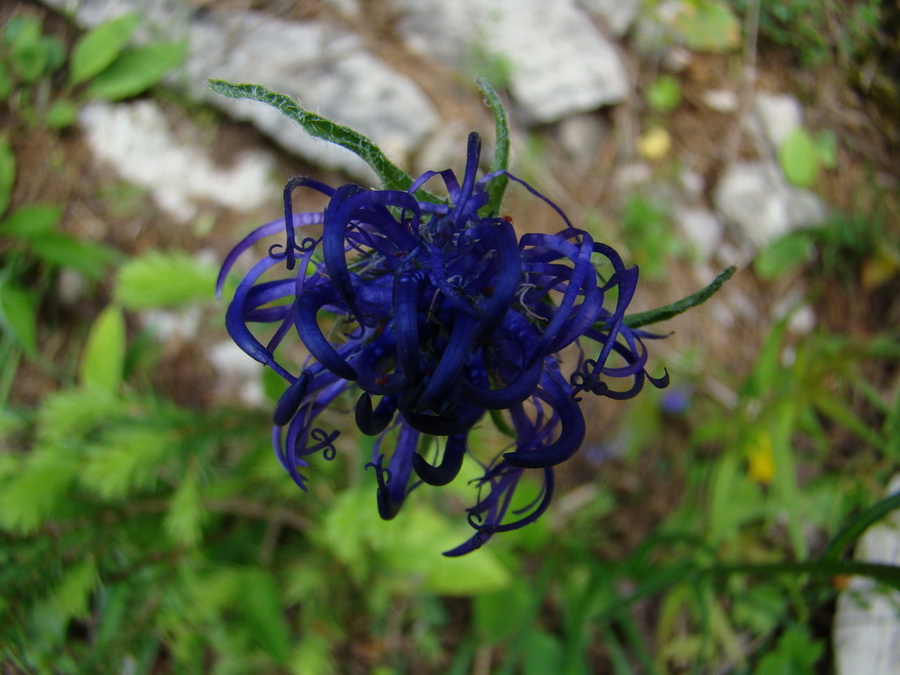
(760, 459)
(655, 144)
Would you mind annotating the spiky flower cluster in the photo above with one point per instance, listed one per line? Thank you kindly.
(430, 315)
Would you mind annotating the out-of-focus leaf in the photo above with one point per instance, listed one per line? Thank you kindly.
(664, 94)
(160, 279)
(799, 158)
(18, 314)
(6, 82)
(7, 174)
(259, 601)
(62, 250)
(125, 459)
(35, 493)
(31, 221)
(73, 593)
(135, 71)
(62, 114)
(783, 256)
(97, 49)
(185, 513)
(543, 654)
(104, 353)
(708, 26)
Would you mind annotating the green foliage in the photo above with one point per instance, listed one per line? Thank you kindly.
(18, 315)
(708, 25)
(819, 31)
(649, 235)
(135, 71)
(664, 94)
(97, 49)
(104, 354)
(784, 255)
(7, 173)
(160, 279)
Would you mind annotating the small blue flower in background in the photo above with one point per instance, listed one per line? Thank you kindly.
(430, 315)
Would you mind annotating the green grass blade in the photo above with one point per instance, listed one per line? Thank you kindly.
(859, 524)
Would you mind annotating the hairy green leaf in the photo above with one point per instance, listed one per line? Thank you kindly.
(501, 144)
(33, 496)
(125, 459)
(184, 518)
(391, 176)
(71, 597)
(669, 311)
(98, 48)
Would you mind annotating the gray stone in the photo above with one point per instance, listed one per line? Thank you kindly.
(142, 146)
(618, 15)
(581, 137)
(754, 197)
(778, 114)
(702, 230)
(325, 66)
(867, 623)
(557, 63)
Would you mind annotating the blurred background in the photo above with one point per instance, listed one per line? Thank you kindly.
(145, 525)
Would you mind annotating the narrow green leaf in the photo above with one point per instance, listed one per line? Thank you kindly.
(665, 313)
(18, 315)
(104, 354)
(32, 221)
(501, 143)
(392, 176)
(7, 174)
(160, 279)
(844, 415)
(799, 158)
(97, 49)
(135, 71)
(783, 256)
(861, 522)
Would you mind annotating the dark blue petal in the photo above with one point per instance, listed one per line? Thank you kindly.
(451, 462)
(290, 400)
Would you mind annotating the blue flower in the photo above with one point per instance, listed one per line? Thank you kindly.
(431, 315)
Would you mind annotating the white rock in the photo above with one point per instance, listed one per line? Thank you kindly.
(755, 197)
(138, 141)
(558, 63)
(581, 137)
(701, 228)
(720, 100)
(238, 373)
(618, 15)
(867, 623)
(779, 115)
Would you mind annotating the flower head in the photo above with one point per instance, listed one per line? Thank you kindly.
(430, 315)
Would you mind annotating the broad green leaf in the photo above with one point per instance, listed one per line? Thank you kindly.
(160, 279)
(32, 221)
(826, 148)
(501, 615)
(783, 256)
(7, 174)
(18, 314)
(313, 656)
(97, 49)
(799, 158)
(392, 176)
(135, 71)
(104, 353)
(72, 596)
(28, 55)
(501, 144)
(259, 603)
(669, 311)
(62, 250)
